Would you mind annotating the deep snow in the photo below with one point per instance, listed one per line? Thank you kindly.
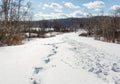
(64, 59)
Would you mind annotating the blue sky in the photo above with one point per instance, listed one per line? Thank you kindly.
(55, 9)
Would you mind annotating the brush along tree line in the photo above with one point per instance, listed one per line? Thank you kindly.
(106, 28)
(12, 15)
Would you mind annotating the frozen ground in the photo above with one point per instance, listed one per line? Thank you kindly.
(64, 59)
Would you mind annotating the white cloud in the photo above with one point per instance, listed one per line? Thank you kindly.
(24, 8)
(57, 7)
(78, 14)
(115, 7)
(41, 15)
(94, 5)
(71, 5)
(45, 5)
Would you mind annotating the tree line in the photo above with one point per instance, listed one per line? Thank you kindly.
(106, 28)
(40, 28)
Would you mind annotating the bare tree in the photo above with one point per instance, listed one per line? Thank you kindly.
(11, 15)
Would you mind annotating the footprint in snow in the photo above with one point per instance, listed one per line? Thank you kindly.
(37, 69)
(47, 60)
(50, 55)
(116, 67)
(36, 82)
(117, 81)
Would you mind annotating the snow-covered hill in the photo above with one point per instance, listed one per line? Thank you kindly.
(64, 59)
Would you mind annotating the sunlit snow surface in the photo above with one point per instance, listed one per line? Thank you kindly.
(64, 59)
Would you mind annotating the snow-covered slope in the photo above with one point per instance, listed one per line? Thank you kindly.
(64, 59)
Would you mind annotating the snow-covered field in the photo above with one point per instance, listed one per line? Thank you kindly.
(64, 59)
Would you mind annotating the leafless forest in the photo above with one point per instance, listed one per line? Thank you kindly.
(16, 24)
